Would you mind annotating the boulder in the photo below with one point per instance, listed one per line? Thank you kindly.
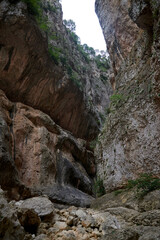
(68, 195)
(10, 227)
(42, 206)
(29, 219)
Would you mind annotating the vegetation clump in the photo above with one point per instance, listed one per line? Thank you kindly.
(87, 52)
(34, 7)
(144, 184)
(116, 98)
(98, 187)
(56, 43)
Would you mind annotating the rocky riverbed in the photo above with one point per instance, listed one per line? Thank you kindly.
(110, 217)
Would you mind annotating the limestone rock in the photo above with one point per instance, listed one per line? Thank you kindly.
(123, 221)
(129, 143)
(119, 31)
(41, 205)
(60, 226)
(38, 154)
(68, 195)
(41, 237)
(151, 201)
(149, 218)
(141, 14)
(125, 199)
(10, 227)
(29, 219)
(80, 214)
(8, 173)
(73, 101)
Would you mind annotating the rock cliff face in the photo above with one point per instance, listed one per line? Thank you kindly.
(130, 141)
(38, 156)
(61, 84)
(47, 84)
(119, 30)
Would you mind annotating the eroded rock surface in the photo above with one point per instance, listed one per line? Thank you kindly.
(40, 157)
(129, 143)
(130, 220)
(119, 30)
(10, 228)
(70, 91)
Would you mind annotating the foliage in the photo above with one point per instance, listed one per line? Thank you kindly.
(116, 98)
(43, 23)
(74, 77)
(75, 38)
(102, 61)
(108, 110)
(98, 187)
(88, 52)
(84, 54)
(117, 192)
(50, 8)
(54, 53)
(93, 143)
(70, 25)
(103, 78)
(33, 6)
(144, 184)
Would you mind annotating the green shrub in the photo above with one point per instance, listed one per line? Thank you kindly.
(116, 98)
(54, 54)
(75, 79)
(98, 187)
(93, 143)
(70, 25)
(50, 8)
(75, 38)
(108, 110)
(103, 78)
(117, 192)
(102, 62)
(34, 6)
(144, 184)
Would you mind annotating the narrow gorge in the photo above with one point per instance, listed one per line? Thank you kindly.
(74, 126)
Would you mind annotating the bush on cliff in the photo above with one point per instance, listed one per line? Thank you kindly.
(33, 6)
(98, 187)
(144, 184)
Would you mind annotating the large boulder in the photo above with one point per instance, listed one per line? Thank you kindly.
(10, 227)
(43, 207)
(68, 195)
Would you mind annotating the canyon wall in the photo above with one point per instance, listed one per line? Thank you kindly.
(130, 140)
(42, 67)
(52, 103)
(39, 157)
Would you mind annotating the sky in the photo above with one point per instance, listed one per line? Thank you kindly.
(82, 12)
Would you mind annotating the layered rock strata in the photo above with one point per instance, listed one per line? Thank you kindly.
(130, 141)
